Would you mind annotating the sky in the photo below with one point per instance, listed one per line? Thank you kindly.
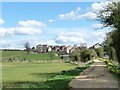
(52, 23)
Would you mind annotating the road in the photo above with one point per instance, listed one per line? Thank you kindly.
(96, 77)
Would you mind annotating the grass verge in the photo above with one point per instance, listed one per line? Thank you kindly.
(112, 68)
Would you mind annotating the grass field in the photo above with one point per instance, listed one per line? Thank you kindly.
(26, 75)
(54, 75)
(23, 55)
(39, 75)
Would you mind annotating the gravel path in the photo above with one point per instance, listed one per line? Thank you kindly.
(96, 77)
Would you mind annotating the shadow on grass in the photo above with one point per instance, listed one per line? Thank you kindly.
(72, 72)
(47, 85)
(47, 75)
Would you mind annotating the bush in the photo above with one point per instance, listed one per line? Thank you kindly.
(113, 68)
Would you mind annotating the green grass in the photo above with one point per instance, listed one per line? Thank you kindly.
(6, 55)
(16, 72)
(39, 75)
(114, 69)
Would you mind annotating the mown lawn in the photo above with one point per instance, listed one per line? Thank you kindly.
(44, 75)
(21, 55)
(29, 74)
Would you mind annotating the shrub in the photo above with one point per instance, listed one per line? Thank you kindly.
(113, 68)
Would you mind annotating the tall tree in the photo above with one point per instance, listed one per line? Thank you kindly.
(27, 46)
(110, 17)
(75, 55)
(108, 45)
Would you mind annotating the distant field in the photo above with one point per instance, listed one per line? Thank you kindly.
(23, 55)
(32, 75)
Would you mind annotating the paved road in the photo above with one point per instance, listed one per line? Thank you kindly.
(96, 77)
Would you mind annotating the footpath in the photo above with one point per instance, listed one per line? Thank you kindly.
(96, 77)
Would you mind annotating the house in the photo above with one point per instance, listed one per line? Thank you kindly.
(49, 48)
(68, 48)
(41, 48)
(72, 49)
(56, 48)
(63, 48)
(97, 46)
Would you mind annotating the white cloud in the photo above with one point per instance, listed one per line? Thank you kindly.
(92, 14)
(99, 35)
(19, 43)
(81, 37)
(77, 9)
(89, 15)
(27, 30)
(73, 15)
(95, 7)
(2, 32)
(1, 21)
(11, 44)
(97, 26)
(72, 34)
(29, 27)
(51, 42)
(70, 38)
(31, 23)
(7, 31)
(66, 38)
(51, 20)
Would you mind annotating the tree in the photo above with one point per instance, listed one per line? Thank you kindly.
(110, 17)
(100, 52)
(33, 49)
(108, 46)
(84, 55)
(75, 55)
(87, 54)
(27, 46)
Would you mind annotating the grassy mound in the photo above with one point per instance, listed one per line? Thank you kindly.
(23, 56)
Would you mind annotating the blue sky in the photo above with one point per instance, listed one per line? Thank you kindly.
(53, 23)
(14, 12)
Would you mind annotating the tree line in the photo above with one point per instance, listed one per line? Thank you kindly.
(109, 17)
(112, 41)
